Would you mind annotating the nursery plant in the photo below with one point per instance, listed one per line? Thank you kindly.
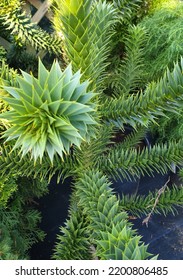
(63, 120)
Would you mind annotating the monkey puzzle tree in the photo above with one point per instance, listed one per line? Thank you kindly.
(66, 118)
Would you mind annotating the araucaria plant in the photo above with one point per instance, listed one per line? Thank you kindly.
(50, 113)
(69, 118)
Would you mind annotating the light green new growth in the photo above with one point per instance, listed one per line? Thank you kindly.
(49, 113)
(86, 30)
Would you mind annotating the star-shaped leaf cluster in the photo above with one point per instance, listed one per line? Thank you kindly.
(50, 113)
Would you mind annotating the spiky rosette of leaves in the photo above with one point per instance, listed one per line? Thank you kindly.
(49, 113)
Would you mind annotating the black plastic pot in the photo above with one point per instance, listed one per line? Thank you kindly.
(164, 235)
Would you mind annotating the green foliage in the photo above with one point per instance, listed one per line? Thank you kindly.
(23, 31)
(50, 113)
(87, 33)
(7, 187)
(19, 226)
(19, 57)
(6, 245)
(11, 163)
(127, 77)
(127, 9)
(18, 232)
(158, 4)
(29, 189)
(89, 153)
(169, 128)
(131, 163)
(3, 123)
(164, 39)
(128, 14)
(143, 108)
(162, 49)
(105, 225)
(74, 236)
(2, 54)
(7, 76)
(132, 140)
(141, 205)
(111, 233)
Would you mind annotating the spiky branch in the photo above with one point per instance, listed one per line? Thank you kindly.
(86, 27)
(111, 233)
(142, 108)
